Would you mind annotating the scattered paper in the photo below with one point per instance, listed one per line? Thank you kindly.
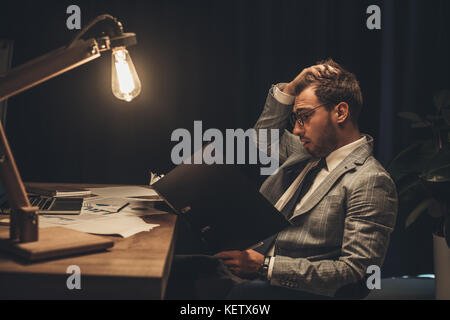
(111, 212)
(122, 225)
(106, 205)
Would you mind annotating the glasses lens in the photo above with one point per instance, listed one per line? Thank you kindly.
(293, 119)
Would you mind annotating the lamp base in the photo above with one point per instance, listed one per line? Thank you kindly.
(53, 242)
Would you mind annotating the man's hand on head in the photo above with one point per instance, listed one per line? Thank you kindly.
(317, 70)
(242, 263)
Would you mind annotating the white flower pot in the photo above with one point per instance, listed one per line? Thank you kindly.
(441, 268)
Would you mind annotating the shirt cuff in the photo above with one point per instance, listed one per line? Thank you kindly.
(269, 271)
(282, 97)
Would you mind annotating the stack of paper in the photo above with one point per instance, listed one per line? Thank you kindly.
(57, 192)
(124, 192)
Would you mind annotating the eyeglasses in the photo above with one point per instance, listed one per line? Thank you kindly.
(301, 117)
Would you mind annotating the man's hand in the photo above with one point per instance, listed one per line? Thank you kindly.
(242, 263)
(291, 87)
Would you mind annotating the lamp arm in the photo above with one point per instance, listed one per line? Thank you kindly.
(47, 66)
(78, 52)
(117, 25)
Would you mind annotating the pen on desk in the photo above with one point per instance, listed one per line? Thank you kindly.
(259, 244)
(126, 204)
(118, 210)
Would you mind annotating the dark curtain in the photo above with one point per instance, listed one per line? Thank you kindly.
(198, 60)
(414, 66)
(212, 61)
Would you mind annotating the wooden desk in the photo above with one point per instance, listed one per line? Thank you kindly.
(135, 268)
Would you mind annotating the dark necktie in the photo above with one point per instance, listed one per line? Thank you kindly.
(289, 208)
(303, 188)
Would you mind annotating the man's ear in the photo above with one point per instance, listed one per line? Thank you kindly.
(342, 112)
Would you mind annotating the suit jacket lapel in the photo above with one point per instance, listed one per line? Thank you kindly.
(357, 157)
(292, 169)
(275, 186)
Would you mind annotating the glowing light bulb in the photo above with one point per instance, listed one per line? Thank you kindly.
(125, 81)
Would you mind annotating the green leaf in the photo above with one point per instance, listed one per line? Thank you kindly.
(442, 99)
(433, 117)
(408, 187)
(436, 210)
(421, 124)
(446, 115)
(402, 153)
(414, 117)
(424, 205)
(413, 160)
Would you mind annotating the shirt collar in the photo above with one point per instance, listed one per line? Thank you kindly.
(336, 157)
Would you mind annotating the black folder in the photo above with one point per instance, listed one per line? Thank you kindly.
(221, 205)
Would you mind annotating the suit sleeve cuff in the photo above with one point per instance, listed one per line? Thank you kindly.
(282, 97)
(269, 271)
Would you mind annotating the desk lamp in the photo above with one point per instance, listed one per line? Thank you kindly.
(24, 239)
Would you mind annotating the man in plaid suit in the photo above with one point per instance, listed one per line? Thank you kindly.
(342, 221)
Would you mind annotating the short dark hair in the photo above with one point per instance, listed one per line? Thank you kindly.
(333, 87)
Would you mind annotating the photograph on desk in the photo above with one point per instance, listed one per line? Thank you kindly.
(225, 150)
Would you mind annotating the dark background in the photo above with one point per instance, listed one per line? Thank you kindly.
(215, 61)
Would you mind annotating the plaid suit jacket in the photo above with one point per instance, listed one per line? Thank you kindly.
(342, 228)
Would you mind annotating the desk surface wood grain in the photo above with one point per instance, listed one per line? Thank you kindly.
(136, 267)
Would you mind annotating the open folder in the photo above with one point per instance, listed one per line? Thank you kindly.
(221, 205)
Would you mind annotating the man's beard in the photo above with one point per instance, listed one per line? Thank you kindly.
(326, 142)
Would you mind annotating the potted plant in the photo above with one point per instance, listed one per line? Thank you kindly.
(422, 175)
